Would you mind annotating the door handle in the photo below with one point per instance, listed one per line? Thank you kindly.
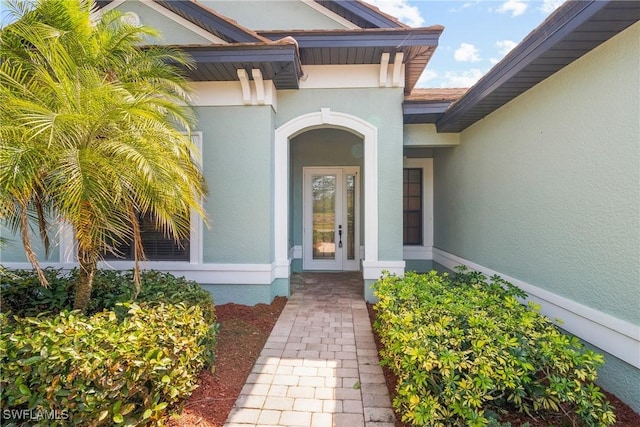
(340, 236)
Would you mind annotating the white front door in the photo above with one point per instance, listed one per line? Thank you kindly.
(331, 231)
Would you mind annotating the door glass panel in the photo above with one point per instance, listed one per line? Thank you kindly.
(324, 219)
(351, 203)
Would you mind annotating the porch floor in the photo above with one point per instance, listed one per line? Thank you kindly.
(319, 366)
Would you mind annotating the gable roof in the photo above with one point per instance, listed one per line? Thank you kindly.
(571, 31)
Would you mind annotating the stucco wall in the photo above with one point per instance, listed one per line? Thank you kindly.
(426, 135)
(237, 163)
(171, 32)
(273, 14)
(547, 188)
(13, 250)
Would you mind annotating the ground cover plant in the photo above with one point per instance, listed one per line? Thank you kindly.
(126, 363)
(464, 350)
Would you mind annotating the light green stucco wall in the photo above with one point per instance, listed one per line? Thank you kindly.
(171, 32)
(547, 188)
(237, 163)
(426, 135)
(13, 250)
(273, 14)
(322, 147)
(381, 108)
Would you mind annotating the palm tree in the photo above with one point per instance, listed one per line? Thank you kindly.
(94, 131)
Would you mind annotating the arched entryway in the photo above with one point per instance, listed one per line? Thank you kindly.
(325, 118)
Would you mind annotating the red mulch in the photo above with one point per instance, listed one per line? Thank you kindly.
(243, 332)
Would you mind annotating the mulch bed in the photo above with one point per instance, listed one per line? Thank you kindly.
(243, 332)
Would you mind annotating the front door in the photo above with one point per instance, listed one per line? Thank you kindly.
(331, 219)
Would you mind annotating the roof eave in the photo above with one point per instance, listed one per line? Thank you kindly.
(365, 15)
(210, 20)
(518, 71)
(365, 46)
(423, 112)
(277, 62)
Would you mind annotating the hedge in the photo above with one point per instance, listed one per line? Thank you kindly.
(464, 349)
(126, 366)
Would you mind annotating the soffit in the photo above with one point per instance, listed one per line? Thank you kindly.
(277, 62)
(366, 46)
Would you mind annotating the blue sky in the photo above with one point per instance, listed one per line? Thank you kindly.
(478, 33)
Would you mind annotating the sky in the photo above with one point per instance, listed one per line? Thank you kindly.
(477, 34)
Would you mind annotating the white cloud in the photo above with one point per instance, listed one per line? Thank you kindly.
(426, 77)
(465, 5)
(549, 6)
(465, 78)
(505, 46)
(514, 7)
(401, 9)
(466, 53)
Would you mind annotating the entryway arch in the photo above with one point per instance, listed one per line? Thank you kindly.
(325, 118)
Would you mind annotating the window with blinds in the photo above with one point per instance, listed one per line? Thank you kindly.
(412, 201)
(157, 246)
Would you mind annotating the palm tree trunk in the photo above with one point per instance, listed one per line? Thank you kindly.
(26, 242)
(88, 266)
(138, 251)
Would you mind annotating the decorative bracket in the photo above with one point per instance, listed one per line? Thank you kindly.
(395, 71)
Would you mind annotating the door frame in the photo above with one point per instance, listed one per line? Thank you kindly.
(341, 263)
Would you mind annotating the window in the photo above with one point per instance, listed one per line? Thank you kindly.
(412, 201)
(157, 246)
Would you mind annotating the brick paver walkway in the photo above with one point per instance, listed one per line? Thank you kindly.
(319, 366)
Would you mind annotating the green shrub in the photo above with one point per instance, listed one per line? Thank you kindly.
(23, 295)
(126, 362)
(100, 370)
(465, 347)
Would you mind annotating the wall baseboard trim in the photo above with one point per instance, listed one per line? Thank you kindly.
(611, 334)
(210, 274)
(372, 270)
(417, 252)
